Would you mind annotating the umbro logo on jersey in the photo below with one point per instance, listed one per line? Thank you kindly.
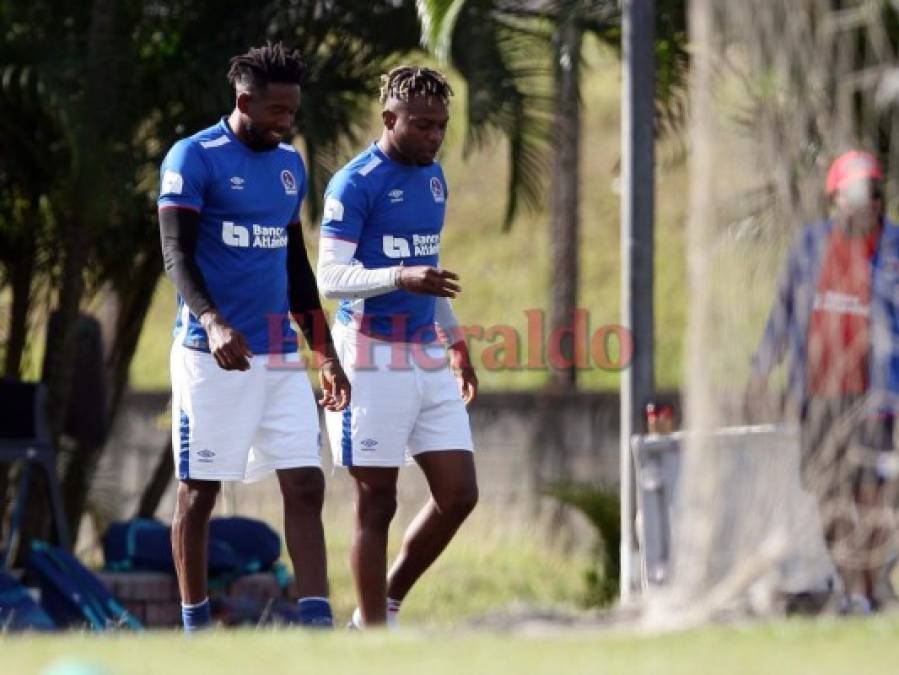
(237, 183)
(437, 190)
(289, 182)
(396, 196)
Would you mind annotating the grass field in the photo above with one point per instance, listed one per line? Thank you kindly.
(505, 556)
(491, 565)
(494, 574)
(796, 647)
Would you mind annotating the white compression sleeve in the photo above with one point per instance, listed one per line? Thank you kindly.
(341, 276)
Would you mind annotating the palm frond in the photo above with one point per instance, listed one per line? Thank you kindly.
(672, 58)
(438, 20)
(507, 66)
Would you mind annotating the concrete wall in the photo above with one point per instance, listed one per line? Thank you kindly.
(523, 441)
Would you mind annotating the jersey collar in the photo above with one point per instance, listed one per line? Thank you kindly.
(226, 128)
(384, 157)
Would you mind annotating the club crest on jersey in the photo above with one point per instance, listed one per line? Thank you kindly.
(289, 182)
(437, 190)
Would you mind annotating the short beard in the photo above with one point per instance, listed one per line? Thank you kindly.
(257, 141)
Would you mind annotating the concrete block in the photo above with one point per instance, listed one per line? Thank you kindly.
(163, 614)
(148, 586)
(261, 585)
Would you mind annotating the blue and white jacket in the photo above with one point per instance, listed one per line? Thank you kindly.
(788, 322)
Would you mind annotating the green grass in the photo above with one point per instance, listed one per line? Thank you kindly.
(493, 563)
(506, 274)
(825, 648)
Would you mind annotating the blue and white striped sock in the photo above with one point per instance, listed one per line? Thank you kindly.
(393, 612)
(315, 612)
(196, 617)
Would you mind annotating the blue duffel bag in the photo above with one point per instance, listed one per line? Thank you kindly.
(18, 610)
(237, 546)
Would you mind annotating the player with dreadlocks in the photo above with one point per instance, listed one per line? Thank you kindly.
(229, 218)
(378, 253)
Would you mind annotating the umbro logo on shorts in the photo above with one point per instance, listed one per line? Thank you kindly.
(206, 455)
(368, 444)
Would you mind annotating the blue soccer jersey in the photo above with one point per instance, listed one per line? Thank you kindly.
(394, 213)
(246, 199)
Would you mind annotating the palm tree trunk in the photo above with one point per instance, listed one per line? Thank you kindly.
(135, 298)
(158, 483)
(100, 101)
(565, 197)
(20, 282)
(81, 215)
(20, 285)
(101, 77)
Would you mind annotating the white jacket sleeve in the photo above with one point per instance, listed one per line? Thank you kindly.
(341, 276)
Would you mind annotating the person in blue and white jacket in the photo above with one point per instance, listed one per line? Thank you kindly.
(836, 315)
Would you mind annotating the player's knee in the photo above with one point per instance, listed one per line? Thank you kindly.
(197, 499)
(304, 491)
(376, 509)
(459, 502)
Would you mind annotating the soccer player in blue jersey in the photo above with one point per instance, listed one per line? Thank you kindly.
(242, 405)
(378, 253)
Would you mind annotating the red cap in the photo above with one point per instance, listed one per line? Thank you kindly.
(851, 166)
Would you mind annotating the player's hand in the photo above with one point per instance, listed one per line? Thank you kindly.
(335, 386)
(429, 281)
(464, 372)
(228, 346)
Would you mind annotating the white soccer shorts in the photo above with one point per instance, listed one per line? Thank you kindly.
(405, 401)
(241, 425)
